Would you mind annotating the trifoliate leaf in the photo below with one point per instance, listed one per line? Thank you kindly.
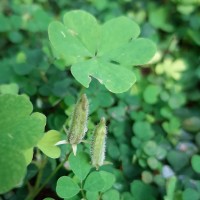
(20, 130)
(172, 68)
(105, 52)
(47, 144)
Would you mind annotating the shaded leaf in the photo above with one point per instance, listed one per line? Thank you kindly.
(138, 189)
(196, 163)
(190, 193)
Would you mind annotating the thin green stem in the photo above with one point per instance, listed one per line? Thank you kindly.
(41, 166)
(166, 51)
(82, 192)
(40, 174)
(37, 190)
(29, 186)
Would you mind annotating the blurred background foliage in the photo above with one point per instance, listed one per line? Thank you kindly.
(153, 129)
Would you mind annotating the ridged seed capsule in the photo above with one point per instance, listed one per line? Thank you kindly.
(98, 144)
(78, 126)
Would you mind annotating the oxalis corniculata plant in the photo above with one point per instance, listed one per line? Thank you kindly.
(107, 52)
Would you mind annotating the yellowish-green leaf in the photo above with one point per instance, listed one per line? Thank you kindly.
(47, 144)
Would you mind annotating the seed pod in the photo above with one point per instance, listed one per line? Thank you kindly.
(98, 144)
(78, 126)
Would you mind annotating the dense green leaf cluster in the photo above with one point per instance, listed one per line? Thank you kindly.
(153, 128)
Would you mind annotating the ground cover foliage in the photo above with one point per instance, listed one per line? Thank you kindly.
(153, 120)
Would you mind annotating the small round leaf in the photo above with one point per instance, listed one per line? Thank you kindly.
(94, 182)
(80, 164)
(111, 195)
(196, 163)
(108, 178)
(47, 144)
(66, 187)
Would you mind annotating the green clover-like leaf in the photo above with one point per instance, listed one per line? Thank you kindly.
(94, 182)
(108, 178)
(138, 189)
(47, 144)
(20, 130)
(106, 52)
(111, 195)
(80, 164)
(196, 163)
(66, 187)
(190, 193)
